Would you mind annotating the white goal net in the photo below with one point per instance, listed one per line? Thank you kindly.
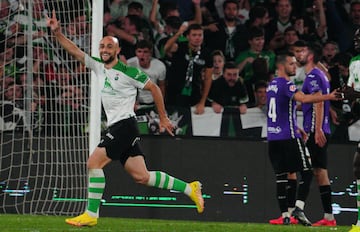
(44, 114)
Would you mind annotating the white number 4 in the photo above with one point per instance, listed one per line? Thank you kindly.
(272, 109)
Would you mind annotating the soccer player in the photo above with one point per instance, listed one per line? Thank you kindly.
(351, 94)
(287, 151)
(119, 84)
(317, 125)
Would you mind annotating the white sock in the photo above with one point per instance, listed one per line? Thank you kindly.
(300, 204)
(329, 216)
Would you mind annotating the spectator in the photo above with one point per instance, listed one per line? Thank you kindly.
(168, 9)
(117, 9)
(289, 38)
(228, 90)
(39, 25)
(330, 49)
(260, 96)
(78, 31)
(10, 62)
(258, 17)
(153, 67)
(227, 35)
(277, 25)
(185, 8)
(246, 58)
(172, 25)
(12, 108)
(185, 86)
(169, 23)
(314, 24)
(136, 8)
(243, 12)
(218, 64)
(128, 32)
(343, 25)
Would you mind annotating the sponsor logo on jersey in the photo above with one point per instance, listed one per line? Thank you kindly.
(273, 88)
(274, 130)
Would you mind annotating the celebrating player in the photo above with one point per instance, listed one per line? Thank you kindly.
(119, 84)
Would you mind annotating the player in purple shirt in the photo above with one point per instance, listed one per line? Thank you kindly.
(316, 82)
(286, 148)
(316, 125)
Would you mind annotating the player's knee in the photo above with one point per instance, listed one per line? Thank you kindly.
(141, 178)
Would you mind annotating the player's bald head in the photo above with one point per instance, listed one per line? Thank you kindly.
(110, 39)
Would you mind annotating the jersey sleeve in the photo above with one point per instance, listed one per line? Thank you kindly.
(93, 63)
(137, 77)
(290, 89)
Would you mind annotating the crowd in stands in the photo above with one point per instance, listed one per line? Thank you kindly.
(214, 53)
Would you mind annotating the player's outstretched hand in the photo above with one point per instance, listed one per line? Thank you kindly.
(349, 93)
(52, 22)
(166, 125)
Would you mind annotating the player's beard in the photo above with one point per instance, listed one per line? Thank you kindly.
(108, 61)
(302, 62)
(290, 73)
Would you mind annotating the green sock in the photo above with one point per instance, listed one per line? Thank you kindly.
(164, 181)
(95, 191)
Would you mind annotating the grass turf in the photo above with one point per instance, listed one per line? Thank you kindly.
(29, 223)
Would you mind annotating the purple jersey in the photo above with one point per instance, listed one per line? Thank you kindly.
(281, 116)
(316, 81)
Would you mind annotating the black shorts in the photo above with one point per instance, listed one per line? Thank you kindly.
(288, 156)
(121, 140)
(318, 154)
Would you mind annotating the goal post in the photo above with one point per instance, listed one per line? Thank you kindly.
(50, 106)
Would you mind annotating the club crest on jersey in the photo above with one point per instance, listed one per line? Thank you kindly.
(292, 88)
(116, 77)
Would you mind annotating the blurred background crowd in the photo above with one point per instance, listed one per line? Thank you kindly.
(201, 53)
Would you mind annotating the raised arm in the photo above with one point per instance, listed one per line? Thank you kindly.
(153, 14)
(168, 48)
(198, 15)
(66, 43)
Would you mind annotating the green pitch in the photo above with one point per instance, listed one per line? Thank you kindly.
(26, 223)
